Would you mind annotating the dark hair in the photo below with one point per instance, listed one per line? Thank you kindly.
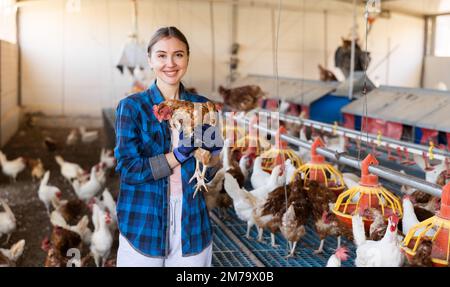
(166, 32)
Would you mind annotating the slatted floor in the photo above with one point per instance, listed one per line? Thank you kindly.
(224, 251)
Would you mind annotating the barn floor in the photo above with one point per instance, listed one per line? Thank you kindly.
(33, 223)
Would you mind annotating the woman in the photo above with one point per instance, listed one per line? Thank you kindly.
(160, 222)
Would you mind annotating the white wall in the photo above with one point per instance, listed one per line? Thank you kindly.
(436, 71)
(68, 59)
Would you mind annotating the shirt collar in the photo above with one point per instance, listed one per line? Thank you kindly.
(157, 96)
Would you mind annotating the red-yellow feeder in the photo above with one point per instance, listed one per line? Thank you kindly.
(440, 252)
(278, 154)
(321, 171)
(368, 195)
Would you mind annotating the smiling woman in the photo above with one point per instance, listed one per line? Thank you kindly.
(160, 222)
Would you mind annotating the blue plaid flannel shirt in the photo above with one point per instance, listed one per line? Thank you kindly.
(143, 203)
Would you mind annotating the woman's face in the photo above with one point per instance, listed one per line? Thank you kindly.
(169, 60)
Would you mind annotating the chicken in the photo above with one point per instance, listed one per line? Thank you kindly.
(230, 165)
(69, 170)
(377, 229)
(259, 176)
(47, 192)
(426, 210)
(243, 201)
(293, 224)
(81, 228)
(422, 258)
(383, 253)
(325, 222)
(71, 210)
(107, 204)
(326, 75)
(183, 116)
(59, 247)
(90, 188)
(72, 138)
(292, 229)
(37, 168)
(8, 221)
(101, 237)
(12, 168)
(351, 180)
(254, 198)
(336, 259)
(267, 213)
(409, 219)
(107, 158)
(88, 136)
(243, 98)
(9, 257)
(51, 144)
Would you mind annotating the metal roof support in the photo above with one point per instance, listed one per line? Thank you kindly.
(386, 173)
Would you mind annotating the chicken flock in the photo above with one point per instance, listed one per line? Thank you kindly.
(83, 225)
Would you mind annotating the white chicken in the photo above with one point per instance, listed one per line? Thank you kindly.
(93, 186)
(12, 168)
(72, 138)
(259, 177)
(47, 192)
(69, 170)
(243, 201)
(338, 257)
(101, 238)
(106, 203)
(9, 257)
(88, 136)
(81, 228)
(409, 219)
(244, 166)
(290, 170)
(8, 221)
(383, 253)
(107, 157)
(303, 153)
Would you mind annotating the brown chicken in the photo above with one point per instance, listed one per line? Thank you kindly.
(243, 98)
(326, 75)
(37, 168)
(184, 116)
(61, 241)
(71, 210)
(422, 258)
(326, 222)
(295, 218)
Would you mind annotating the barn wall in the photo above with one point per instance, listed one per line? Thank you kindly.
(68, 59)
(436, 72)
(10, 111)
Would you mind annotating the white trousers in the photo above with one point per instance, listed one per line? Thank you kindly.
(128, 256)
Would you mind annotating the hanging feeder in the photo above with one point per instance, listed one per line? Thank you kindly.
(252, 144)
(321, 171)
(369, 194)
(440, 251)
(278, 154)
